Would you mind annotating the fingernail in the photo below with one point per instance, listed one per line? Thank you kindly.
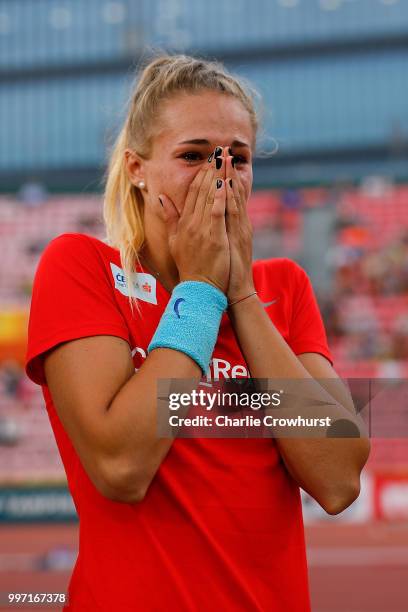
(161, 201)
(230, 182)
(218, 151)
(229, 151)
(218, 163)
(219, 183)
(210, 158)
(233, 162)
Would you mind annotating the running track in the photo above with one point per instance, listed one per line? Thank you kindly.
(352, 568)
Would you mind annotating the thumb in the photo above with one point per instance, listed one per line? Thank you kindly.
(170, 214)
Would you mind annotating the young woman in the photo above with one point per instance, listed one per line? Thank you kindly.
(185, 524)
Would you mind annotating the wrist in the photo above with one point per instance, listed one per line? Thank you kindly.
(191, 321)
(244, 297)
(240, 291)
(202, 279)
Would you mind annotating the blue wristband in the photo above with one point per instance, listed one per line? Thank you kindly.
(191, 321)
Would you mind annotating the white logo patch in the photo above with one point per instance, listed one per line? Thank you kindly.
(143, 285)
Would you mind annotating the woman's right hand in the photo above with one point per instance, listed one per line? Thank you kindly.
(198, 240)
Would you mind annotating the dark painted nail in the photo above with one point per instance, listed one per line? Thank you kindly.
(230, 182)
(161, 201)
(233, 162)
(218, 151)
(229, 151)
(219, 183)
(218, 163)
(210, 158)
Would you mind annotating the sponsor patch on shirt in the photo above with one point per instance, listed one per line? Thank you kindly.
(143, 285)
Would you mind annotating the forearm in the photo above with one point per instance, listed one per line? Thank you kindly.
(133, 449)
(180, 348)
(329, 469)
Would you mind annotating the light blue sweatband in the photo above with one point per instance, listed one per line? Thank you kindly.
(191, 321)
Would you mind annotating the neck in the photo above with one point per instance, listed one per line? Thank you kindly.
(156, 250)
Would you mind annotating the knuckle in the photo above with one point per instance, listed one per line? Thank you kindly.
(217, 212)
(202, 194)
(215, 242)
(194, 188)
(191, 228)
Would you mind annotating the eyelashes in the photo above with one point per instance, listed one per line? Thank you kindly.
(192, 156)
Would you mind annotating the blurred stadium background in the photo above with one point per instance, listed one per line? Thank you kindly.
(334, 197)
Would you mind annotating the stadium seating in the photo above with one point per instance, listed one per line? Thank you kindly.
(29, 451)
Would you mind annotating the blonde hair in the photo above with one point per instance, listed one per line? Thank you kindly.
(162, 78)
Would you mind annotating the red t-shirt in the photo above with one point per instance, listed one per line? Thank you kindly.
(220, 527)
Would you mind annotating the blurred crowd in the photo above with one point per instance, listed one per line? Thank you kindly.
(365, 305)
(368, 305)
(365, 308)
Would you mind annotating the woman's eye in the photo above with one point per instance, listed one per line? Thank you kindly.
(194, 156)
(239, 159)
(191, 156)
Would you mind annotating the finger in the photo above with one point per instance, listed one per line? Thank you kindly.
(203, 200)
(232, 218)
(206, 220)
(220, 166)
(238, 189)
(203, 192)
(219, 172)
(233, 174)
(197, 187)
(192, 193)
(242, 198)
(218, 229)
(170, 214)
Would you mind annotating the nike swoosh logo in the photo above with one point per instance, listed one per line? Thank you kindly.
(266, 304)
(176, 305)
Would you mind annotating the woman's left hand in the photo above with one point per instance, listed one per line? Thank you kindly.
(240, 235)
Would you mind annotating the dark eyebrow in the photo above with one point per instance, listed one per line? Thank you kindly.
(203, 141)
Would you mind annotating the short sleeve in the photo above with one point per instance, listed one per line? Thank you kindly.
(72, 298)
(306, 331)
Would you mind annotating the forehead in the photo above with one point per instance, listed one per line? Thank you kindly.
(214, 116)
